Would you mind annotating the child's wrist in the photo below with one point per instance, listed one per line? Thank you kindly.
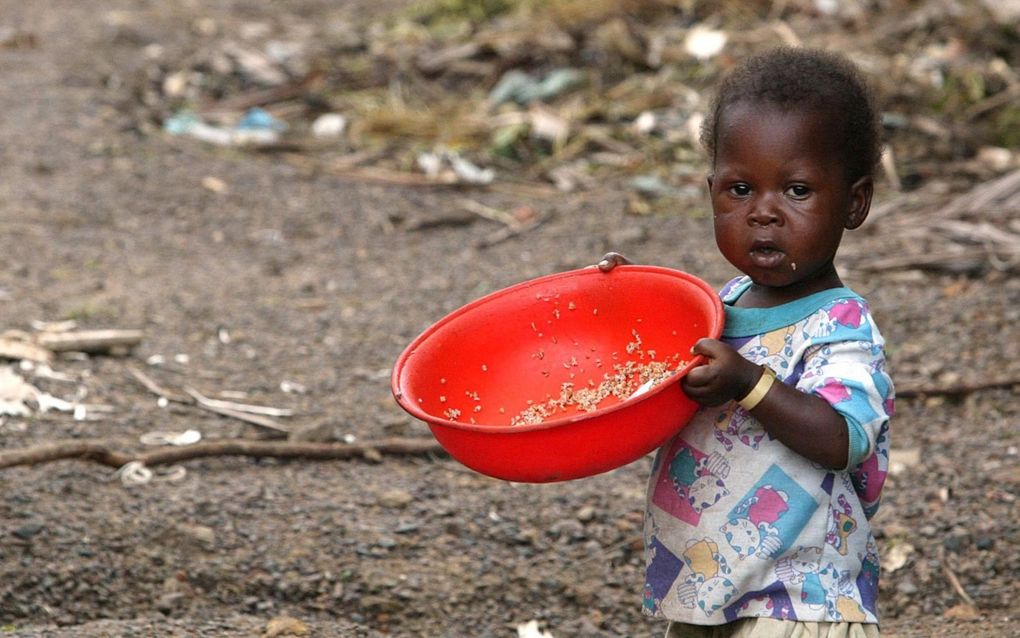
(758, 391)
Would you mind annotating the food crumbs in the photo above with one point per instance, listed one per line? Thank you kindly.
(629, 376)
(595, 311)
(571, 306)
(442, 399)
(485, 368)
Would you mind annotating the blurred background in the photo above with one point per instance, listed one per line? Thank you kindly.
(262, 203)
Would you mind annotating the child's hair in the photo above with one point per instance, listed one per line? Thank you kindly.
(805, 79)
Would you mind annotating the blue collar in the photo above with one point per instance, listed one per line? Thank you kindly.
(748, 322)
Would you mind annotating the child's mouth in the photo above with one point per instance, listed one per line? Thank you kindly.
(766, 256)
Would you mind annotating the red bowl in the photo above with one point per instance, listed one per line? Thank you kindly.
(493, 358)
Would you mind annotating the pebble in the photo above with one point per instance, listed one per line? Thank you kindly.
(26, 532)
(395, 498)
(906, 587)
(285, 626)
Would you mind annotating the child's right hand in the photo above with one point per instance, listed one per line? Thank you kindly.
(611, 260)
(725, 376)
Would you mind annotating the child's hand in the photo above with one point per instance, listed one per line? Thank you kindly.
(725, 376)
(612, 260)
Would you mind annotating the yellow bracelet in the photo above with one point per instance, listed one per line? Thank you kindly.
(751, 400)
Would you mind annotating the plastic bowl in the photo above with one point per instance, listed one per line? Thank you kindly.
(493, 358)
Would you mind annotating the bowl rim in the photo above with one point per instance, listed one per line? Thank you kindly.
(715, 330)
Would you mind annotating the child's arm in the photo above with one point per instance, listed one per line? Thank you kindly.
(805, 423)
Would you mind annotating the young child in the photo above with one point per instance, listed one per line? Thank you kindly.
(757, 511)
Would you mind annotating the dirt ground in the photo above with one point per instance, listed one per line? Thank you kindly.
(316, 286)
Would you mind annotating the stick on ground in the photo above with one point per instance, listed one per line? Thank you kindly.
(100, 452)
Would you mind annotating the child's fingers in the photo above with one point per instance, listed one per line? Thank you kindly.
(711, 348)
(698, 377)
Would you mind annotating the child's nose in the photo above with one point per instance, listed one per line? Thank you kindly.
(764, 211)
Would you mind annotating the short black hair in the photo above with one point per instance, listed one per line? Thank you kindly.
(805, 79)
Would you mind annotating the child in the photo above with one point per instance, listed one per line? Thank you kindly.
(757, 511)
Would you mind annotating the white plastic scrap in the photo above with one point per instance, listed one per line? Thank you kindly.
(432, 164)
(134, 473)
(329, 125)
(704, 43)
(17, 396)
(470, 173)
(530, 630)
(164, 437)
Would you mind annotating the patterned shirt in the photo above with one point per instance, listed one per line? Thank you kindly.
(737, 524)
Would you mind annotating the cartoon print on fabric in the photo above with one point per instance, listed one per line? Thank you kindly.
(736, 423)
(832, 589)
(769, 517)
(869, 477)
(867, 580)
(660, 567)
(792, 568)
(689, 482)
(841, 525)
(772, 601)
(705, 584)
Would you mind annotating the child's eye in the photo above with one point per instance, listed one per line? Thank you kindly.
(740, 190)
(798, 191)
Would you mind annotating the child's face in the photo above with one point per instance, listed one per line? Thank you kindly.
(780, 197)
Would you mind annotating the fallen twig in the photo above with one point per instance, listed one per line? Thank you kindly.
(155, 388)
(247, 408)
(92, 341)
(239, 411)
(18, 350)
(101, 453)
(954, 582)
(253, 419)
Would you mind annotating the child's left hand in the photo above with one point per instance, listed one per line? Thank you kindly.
(725, 376)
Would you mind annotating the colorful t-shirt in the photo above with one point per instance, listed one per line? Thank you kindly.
(737, 524)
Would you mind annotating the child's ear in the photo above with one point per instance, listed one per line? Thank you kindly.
(860, 201)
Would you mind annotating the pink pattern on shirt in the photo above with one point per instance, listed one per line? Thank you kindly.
(834, 392)
(768, 506)
(847, 313)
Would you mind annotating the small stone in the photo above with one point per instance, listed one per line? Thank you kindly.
(955, 543)
(26, 532)
(907, 588)
(984, 543)
(395, 498)
(407, 528)
(586, 514)
(167, 603)
(322, 432)
(204, 535)
(285, 626)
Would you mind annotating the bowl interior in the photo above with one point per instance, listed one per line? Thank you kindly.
(489, 361)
